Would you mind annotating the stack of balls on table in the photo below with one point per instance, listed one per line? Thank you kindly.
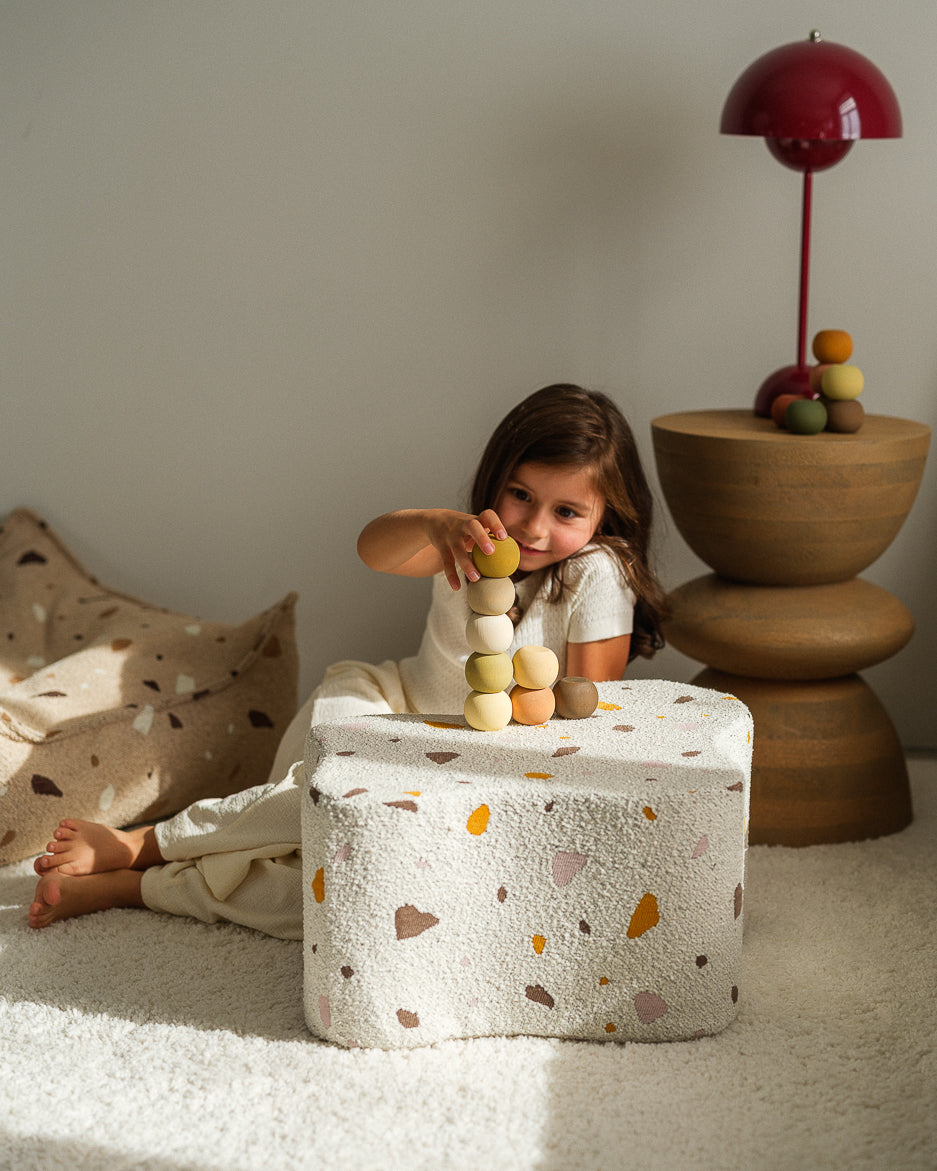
(489, 670)
(832, 403)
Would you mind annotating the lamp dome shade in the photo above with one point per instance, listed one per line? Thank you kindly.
(812, 90)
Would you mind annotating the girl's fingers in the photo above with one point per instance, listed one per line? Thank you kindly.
(453, 561)
(490, 520)
(456, 545)
(478, 535)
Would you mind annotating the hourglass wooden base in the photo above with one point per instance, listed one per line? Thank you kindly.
(785, 624)
(827, 765)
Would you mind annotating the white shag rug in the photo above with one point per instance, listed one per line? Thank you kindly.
(134, 1040)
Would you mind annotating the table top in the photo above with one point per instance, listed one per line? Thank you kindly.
(683, 737)
(745, 425)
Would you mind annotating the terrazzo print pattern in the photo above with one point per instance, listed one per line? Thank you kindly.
(118, 711)
(580, 878)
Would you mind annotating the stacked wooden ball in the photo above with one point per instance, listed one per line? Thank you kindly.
(835, 386)
(489, 670)
(490, 632)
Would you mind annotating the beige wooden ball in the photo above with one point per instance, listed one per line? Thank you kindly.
(490, 595)
(489, 634)
(535, 667)
(488, 711)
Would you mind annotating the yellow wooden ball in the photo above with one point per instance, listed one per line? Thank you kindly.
(488, 673)
(532, 705)
(502, 562)
(535, 667)
(842, 383)
(490, 595)
(488, 711)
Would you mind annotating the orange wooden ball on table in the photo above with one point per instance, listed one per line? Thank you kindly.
(532, 705)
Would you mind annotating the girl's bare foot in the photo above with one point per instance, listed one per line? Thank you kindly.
(85, 847)
(62, 897)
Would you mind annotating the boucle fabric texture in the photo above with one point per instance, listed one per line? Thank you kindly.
(118, 711)
(579, 879)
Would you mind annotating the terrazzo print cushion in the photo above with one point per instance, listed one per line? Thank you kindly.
(118, 711)
(582, 878)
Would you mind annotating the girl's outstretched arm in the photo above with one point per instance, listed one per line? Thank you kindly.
(418, 542)
(604, 659)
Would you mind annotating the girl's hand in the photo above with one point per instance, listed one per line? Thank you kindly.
(455, 534)
(419, 542)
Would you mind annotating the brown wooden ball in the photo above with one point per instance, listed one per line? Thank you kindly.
(576, 697)
(844, 416)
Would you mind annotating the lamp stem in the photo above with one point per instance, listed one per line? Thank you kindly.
(804, 269)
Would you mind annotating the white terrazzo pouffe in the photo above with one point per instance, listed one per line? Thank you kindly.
(580, 878)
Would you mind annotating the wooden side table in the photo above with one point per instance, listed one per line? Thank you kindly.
(787, 522)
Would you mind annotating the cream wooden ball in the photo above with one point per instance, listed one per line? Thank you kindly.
(489, 634)
(488, 711)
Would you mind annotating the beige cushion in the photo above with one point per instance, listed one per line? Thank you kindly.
(119, 711)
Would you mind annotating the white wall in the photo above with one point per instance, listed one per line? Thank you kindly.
(272, 267)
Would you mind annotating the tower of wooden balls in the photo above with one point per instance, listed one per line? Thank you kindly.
(832, 404)
(837, 383)
(490, 632)
(488, 670)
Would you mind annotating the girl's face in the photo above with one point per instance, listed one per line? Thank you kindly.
(552, 512)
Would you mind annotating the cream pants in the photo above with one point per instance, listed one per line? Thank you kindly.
(238, 859)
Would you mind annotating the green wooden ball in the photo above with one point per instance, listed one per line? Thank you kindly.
(488, 673)
(805, 416)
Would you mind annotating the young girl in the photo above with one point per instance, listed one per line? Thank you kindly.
(562, 476)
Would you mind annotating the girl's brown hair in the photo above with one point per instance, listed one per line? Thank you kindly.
(565, 425)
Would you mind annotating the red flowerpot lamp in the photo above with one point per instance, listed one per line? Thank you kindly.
(809, 100)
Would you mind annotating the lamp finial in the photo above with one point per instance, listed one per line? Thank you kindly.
(815, 35)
